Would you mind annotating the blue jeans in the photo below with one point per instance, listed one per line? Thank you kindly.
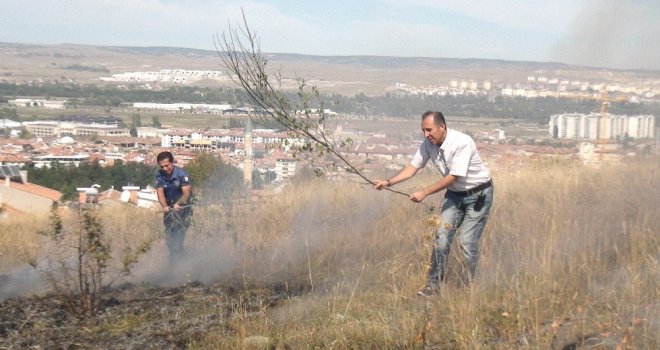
(458, 213)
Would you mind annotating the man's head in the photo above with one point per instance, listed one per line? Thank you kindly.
(165, 162)
(434, 127)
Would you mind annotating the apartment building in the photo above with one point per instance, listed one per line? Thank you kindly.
(60, 129)
(595, 126)
(219, 138)
(285, 168)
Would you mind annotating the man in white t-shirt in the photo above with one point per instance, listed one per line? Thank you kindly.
(468, 198)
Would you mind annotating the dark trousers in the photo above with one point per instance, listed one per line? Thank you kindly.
(176, 225)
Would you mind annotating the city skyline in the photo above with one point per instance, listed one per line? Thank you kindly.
(610, 34)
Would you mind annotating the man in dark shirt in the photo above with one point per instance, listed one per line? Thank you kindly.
(174, 193)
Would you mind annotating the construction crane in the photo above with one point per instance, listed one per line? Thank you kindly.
(605, 101)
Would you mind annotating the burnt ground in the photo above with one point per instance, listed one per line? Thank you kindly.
(143, 316)
(132, 317)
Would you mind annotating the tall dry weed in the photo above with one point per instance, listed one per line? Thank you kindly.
(569, 256)
(569, 253)
(19, 239)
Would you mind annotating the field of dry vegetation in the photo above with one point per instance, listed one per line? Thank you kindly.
(569, 260)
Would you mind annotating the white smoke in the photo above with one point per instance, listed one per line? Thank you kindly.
(613, 34)
(21, 281)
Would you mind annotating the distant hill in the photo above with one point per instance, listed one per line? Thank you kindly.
(335, 74)
(162, 51)
(426, 62)
(374, 61)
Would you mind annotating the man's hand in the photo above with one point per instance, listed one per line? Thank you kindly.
(166, 209)
(379, 184)
(418, 196)
(176, 207)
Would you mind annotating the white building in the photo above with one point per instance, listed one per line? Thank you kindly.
(175, 76)
(285, 168)
(214, 139)
(39, 103)
(588, 126)
(595, 126)
(60, 129)
(641, 126)
(147, 131)
(184, 107)
(147, 198)
(9, 124)
(47, 160)
(567, 126)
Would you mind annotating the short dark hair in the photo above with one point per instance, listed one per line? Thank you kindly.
(165, 155)
(438, 118)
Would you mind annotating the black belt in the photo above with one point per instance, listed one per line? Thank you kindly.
(472, 191)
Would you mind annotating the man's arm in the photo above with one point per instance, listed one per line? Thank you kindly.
(403, 175)
(187, 192)
(160, 192)
(436, 187)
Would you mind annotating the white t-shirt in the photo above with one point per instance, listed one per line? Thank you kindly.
(457, 156)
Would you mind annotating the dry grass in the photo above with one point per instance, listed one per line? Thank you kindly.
(569, 258)
(18, 240)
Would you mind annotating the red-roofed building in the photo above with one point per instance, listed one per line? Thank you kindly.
(183, 157)
(28, 197)
(14, 159)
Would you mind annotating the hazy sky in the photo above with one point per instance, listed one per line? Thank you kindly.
(603, 33)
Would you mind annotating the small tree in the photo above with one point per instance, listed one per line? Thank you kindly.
(78, 266)
(155, 122)
(136, 122)
(215, 180)
(25, 134)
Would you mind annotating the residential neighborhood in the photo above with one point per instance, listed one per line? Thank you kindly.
(104, 141)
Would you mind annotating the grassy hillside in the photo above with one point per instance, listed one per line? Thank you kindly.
(569, 259)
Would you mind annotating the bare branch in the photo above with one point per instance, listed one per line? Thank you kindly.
(240, 51)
